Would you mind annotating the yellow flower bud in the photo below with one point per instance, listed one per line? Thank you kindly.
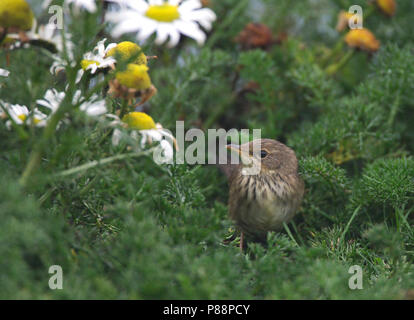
(139, 121)
(127, 50)
(362, 39)
(134, 77)
(16, 14)
(387, 6)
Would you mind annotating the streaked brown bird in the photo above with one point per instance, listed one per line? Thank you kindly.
(269, 194)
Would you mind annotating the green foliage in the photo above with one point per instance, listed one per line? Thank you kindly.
(31, 241)
(132, 229)
(206, 74)
(389, 181)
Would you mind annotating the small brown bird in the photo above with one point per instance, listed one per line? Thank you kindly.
(270, 195)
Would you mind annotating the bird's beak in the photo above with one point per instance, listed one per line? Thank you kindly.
(244, 156)
(234, 147)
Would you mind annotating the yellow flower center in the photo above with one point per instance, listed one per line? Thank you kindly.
(134, 77)
(16, 13)
(87, 63)
(139, 121)
(22, 117)
(163, 13)
(128, 50)
(36, 120)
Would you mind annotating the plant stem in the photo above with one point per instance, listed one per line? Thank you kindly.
(334, 68)
(36, 155)
(338, 48)
(124, 108)
(290, 234)
(394, 110)
(349, 224)
(95, 163)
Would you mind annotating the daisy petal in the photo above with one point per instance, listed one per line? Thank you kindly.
(174, 38)
(4, 73)
(188, 6)
(146, 32)
(162, 33)
(205, 17)
(155, 2)
(191, 29)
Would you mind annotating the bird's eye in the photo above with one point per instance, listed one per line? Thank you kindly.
(263, 154)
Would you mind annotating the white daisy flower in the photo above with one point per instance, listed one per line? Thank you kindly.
(52, 100)
(93, 107)
(4, 73)
(39, 118)
(166, 18)
(96, 59)
(17, 112)
(144, 137)
(166, 151)
(156, 134)
(58, 65)
(21, 115)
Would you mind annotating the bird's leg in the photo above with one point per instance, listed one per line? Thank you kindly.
(241, 241)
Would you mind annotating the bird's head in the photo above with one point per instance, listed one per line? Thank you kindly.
(265, 156)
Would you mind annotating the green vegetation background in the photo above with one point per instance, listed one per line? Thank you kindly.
(135, 230)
